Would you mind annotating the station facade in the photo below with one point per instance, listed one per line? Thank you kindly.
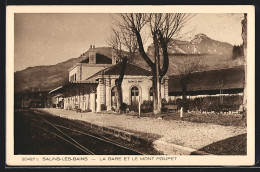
(92, 83)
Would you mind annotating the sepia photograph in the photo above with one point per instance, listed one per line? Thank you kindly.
(104, 85)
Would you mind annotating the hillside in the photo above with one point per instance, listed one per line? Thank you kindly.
(48, 77)
(43, 77)
(213, 54)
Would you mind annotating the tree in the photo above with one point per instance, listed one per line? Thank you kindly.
(184, 69)
(124, 43)
(237, 51)
(162, 28)
(118, 83)
(115, 41)
(244, 37)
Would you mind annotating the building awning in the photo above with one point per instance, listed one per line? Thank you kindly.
(84, 82)
(55, 90)
(90, 86)
(58, 95)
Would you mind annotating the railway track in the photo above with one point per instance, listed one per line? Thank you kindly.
(92, 144)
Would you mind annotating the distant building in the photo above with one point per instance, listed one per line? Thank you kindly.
(221, 82)
(38, 99)
(92, 83)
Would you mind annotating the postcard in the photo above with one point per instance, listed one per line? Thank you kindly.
(143, 85)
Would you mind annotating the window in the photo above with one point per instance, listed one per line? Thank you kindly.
(134, 95)
(113, 97)
(151, 93)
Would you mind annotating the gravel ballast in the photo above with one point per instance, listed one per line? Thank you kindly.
(187, 134)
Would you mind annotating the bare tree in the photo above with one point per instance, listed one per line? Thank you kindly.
(124, 43)
(163, 27)
(115, 41)
(184, 69)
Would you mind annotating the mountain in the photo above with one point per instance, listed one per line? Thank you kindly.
(42, 77)
(199, 45)
(211, 53)
(214, 55)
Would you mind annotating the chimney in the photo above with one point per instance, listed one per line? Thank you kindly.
(92, 55)
(90, 47)
(114, 57)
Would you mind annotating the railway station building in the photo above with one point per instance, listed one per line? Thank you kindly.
(92, 83)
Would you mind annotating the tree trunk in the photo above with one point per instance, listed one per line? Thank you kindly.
(157, 100)
(119, 99)
(118, 83)
(244, 37)
(184, 97)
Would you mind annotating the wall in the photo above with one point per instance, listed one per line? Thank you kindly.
(75, 70)
(141, 82)
(80, 97)
(87, 70)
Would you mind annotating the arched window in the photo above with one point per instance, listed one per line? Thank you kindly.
(113, 97)
(151, 93)
(134, 95)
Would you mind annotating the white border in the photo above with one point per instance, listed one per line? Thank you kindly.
(12, 159)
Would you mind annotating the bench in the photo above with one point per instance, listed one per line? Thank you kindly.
(172, 107)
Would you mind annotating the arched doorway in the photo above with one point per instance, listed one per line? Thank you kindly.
(134, 95)
(113, 97)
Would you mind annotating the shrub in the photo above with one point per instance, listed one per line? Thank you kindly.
(123, 107)
(103, 107)
(133, 108)
(184, 104)
(164, 102)
(164, 109)
(147, 106)
(112, 108)
(223, 107)
(88, 110)
(212, 103)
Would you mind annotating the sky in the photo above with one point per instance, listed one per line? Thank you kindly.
(48, 39)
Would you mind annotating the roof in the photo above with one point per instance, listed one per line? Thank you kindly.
(60, 89)
(100, 59)
(56, 89)
(230, 78)
(83, 82)
(131, 69)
